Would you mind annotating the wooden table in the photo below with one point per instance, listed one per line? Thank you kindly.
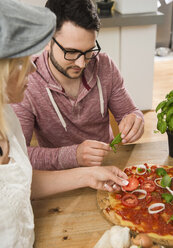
(72, 219)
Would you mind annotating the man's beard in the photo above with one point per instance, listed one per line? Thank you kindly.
(60, 68)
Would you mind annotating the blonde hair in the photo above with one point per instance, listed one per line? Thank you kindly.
(7, 67)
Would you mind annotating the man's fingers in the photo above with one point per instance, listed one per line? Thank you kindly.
(97, 144)
(132, 129)
(137, 135)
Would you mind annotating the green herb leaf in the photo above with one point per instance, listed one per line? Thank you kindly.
(161, 172)
(170, 219)
(164, 112)
(115, 141)
(170, 123)
(166, 181)
(169, 113)
(149, 170)
(167, 197)
(161, 126)
(169, 95)
(140, 169)
(160, 105)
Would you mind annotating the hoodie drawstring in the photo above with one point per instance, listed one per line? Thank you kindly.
(100, 96)
(56, 109)
(59, 113)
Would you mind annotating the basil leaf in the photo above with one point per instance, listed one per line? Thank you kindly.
(162, 126)
(160, 105)
(166, 181)
(168, 197)
(116, 140)
(161, 172)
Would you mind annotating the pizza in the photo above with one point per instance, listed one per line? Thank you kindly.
(145, 205)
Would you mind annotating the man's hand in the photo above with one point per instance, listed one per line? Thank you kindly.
(131, 128)
(109, 178)
(92, 152)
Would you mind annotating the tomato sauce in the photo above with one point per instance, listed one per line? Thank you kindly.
(139, 215)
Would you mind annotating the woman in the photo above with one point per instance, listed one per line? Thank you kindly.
(24, 30)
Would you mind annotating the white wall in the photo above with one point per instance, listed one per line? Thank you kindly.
(35, 2)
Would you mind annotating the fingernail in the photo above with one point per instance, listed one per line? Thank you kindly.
(114, 186)
(122, 136)
(106, 186)
(125, 182)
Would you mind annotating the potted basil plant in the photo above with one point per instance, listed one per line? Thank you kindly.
(164, 112)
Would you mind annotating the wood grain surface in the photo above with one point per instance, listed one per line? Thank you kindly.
(73, 219)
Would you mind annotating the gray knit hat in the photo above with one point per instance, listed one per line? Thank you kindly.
(24, 29)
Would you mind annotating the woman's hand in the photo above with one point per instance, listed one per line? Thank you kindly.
(108, 178)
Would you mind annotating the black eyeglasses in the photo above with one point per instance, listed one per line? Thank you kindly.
(75, 54)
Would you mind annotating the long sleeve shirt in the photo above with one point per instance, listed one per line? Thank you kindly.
(61, 123)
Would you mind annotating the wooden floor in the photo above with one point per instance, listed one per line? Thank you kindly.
(163, 83)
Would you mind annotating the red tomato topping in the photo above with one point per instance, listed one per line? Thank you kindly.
(148, 185)
(140, 179)
(129, 200)
(118, 196)
(133, 184)
(146, 165)
(148, 198)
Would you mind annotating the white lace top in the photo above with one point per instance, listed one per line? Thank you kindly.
(16, 216)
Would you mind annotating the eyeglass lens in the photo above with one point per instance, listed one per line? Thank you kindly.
(76, 55)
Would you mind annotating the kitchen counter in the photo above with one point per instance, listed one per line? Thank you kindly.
(73, 219)
(117, 19)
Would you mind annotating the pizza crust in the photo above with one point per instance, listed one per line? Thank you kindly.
(105, 204)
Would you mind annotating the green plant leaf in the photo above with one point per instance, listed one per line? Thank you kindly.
(170, 112)
(160, 105)
(166, 181)
(116, 140)
(169, 95)
(161, 172)
(170, 123)
(162, 126)
(168, 197)
(169, 102)
(160, 116)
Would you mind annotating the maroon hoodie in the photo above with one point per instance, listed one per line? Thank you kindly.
(60, 123)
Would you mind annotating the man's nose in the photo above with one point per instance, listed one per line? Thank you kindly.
(80, 61)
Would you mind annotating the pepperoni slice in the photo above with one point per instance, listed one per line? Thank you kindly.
(129, 200)
(148, 185)
(133, 184)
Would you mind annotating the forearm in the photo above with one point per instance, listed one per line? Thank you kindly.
(43, 158)
(46, 183)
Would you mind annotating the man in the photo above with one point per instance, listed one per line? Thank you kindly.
(69, 95)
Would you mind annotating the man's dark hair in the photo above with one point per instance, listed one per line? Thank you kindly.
(81, 12)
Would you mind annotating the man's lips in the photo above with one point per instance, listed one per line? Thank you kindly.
(76, 69)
